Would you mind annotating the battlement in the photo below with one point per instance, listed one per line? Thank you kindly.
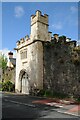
(72, 43)
(23, 41)
(38, 17)
(39, 31)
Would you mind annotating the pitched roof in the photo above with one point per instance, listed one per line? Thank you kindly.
(13, 61)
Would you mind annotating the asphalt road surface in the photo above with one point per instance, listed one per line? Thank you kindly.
(18, 107)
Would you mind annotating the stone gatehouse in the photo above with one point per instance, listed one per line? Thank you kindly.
(44, 61)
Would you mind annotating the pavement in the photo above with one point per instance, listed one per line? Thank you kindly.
(64, 106)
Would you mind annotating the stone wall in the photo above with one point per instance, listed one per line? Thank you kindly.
(61, 73)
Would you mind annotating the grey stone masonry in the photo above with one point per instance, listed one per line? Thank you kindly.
(61, 67)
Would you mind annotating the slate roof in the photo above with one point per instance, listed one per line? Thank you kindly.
(13, 61)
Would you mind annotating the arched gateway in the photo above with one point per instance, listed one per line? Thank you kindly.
(24, 82)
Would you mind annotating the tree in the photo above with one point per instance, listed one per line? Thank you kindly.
(3, 62)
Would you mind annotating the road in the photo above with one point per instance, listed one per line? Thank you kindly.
(18, 107)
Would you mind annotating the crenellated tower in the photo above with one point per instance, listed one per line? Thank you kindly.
(39, 27)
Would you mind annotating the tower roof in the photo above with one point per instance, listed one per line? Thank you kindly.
(10, 53)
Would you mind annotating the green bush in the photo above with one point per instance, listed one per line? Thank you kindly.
(45, 93)
(78, 100)
(41, 93)
(8, 86)
(60, 95)
(49, 93)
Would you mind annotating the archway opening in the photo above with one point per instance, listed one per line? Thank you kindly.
(24, 82)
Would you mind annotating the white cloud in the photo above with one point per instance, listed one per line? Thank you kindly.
(5, 52)
(19, 11)
(73, 9)
(78, 42)
(57, 26)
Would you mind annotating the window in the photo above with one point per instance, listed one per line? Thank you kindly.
(23, 54)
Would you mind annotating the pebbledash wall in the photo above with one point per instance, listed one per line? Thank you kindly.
(47, 62)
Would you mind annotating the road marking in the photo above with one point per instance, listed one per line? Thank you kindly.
(20, 103)
(68, 113)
